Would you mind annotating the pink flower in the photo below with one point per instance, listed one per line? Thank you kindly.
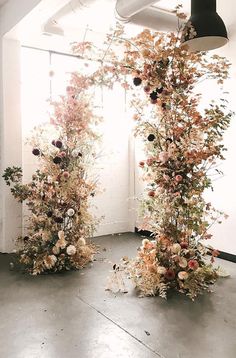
(163, 156)
(66, 175)
(62, 154)
(149, 161)
(178, 178)
(151, 193)
(193, 264)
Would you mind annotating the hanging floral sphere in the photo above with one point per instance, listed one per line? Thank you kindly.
(137, 81)
(58, 144)
(57, 160)
(151, 137)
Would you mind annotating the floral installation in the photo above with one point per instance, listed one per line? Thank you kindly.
(183, 145)
(59, 195)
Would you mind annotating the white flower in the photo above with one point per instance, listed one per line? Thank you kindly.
(71, 250)
(145, 243)
(61, 243)
(161, 270)
(61, 234)
(70, 212)
(183, 262)
(75, 153)
(81, 241)
(176, 248)
(183, 275)
(56, 250)
(50, 261)
(50, 179)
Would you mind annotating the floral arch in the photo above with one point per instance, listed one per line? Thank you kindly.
(183, 144)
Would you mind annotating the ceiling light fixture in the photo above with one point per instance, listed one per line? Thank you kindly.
(210, 29)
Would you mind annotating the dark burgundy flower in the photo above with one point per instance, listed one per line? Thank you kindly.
(184, 245)
(80, 154)
(169, 140)
(49, 214)
(159, 90)
(137, 81)
(151, 137)
(57, 160)
(58, 144)
(170, 274)
(154, 96)
(26, 238)
(151, 193)
(36, 151)
(53, 142)
(58, 220)
(147, 89)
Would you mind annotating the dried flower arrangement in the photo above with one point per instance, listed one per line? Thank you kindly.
(183, 145)
(59, 194)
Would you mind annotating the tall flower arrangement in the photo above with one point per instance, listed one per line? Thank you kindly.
(59, 194)
(183, 145)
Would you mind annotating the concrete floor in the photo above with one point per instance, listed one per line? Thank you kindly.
(71, 315)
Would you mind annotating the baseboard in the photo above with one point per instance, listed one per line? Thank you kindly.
(223, 255)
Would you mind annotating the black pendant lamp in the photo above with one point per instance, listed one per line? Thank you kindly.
(208, 30)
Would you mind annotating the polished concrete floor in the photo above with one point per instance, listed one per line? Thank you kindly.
(71, 315)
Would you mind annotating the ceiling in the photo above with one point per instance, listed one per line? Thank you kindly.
(169, 5)
(93, 23)
(2, 2)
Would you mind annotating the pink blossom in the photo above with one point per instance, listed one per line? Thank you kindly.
(193, 264)
(178, 178)
(163, 156)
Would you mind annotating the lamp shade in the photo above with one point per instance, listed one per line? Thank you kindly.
(205, 29)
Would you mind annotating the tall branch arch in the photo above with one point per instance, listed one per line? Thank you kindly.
(182, 146)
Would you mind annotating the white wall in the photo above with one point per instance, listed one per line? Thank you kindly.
(10, 124)
(11, 140)
(224, 195)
